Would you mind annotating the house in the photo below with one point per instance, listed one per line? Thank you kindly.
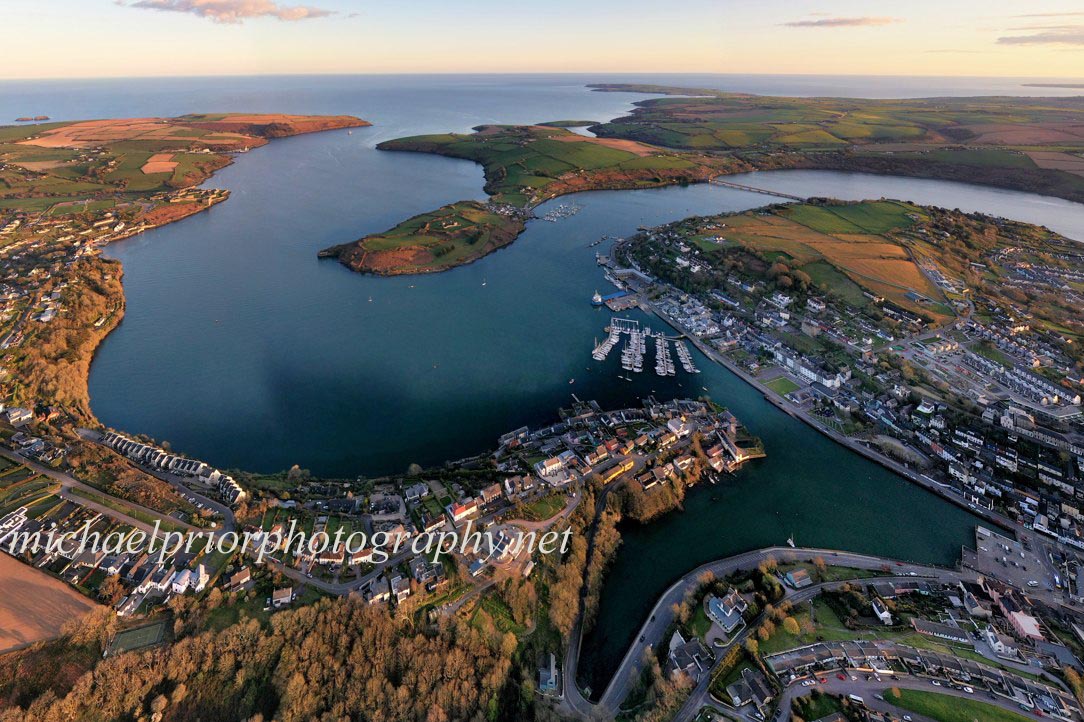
(1025, 626)
(1003, 645)
(549, 467)
(400, 588)
(431, 522)
(798, 579)
(726, 612)
(751, 688)
(882, 612)
(688, 658)
(941, 631)
(548, 678)
(282, 597)
(200, 578)
(491, 494)
(459, 511)
(18, 416)
(181, 581)
(335, 555)
(379, 591)
(240, 578)
(416, 492)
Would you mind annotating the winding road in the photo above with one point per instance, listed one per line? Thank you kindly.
(650, 633)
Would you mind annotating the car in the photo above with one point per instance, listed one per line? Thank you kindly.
(969, 690)
(1033, 584)
(841, 677)
(935, 683)
(824, 680)
(907, 718)
(641, 638)
(912, 574)
(854, 678)
(899, 564)
(895, 678)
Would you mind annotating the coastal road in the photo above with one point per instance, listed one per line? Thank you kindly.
(701, 694)
(945, 491)
(652, 630)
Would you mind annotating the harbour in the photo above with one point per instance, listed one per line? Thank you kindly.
(635, 348)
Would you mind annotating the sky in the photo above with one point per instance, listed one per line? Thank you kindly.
(122, 38)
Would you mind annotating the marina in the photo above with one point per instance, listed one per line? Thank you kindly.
(632, 353)
(564, 210)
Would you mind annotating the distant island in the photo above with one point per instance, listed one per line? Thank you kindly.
(1053, 85)
(696, 134)
(31, 119)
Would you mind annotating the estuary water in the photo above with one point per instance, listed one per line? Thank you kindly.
(241, 348)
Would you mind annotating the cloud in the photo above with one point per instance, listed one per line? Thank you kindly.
(1049, 15)
(1067, 35)
(841, 22)
(234, 11)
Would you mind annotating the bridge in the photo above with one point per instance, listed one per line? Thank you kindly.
(751, 189)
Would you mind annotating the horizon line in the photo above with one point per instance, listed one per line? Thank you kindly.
(1060, 78)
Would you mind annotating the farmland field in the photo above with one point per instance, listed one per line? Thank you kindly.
(1020, 143)
(844, 248)
(34, 606)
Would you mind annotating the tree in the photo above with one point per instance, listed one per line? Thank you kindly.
(790, 625)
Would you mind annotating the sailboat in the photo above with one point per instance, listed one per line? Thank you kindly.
(790, 541)
(483, 281)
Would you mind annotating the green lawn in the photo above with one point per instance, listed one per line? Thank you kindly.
(699, 624)
(944, 708)
(540, 509)
(828, 627)
(782, 385)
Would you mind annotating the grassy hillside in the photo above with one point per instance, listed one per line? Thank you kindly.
(1033, 144)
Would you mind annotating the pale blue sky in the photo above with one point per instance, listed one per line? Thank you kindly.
(81, 38)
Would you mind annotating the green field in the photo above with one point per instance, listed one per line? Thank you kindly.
(540, 509)
(976, 140)
(526, 164)
(447, 237)
(782, 385)
(943, 708)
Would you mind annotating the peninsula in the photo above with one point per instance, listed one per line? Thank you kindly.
(1027, 144)
(524, 166)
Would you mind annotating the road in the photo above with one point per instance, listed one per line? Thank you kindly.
(176, 482)
(68, 483)
(945, 491)
(661, 616)
(867, 689)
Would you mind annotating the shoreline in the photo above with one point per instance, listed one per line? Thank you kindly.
(798, 414)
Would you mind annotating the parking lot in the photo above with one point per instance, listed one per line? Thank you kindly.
(1020, 565)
